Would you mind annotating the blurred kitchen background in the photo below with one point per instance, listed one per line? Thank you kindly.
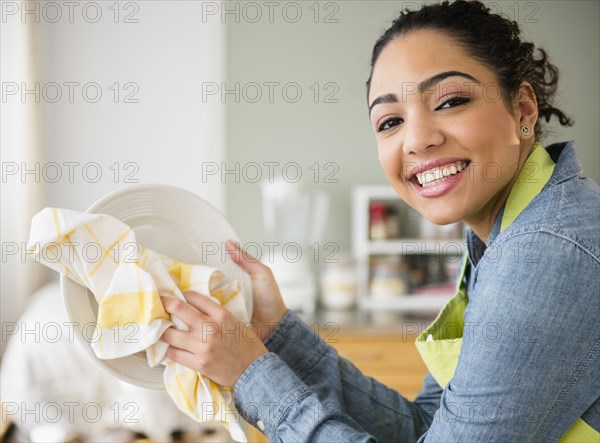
(214, 96)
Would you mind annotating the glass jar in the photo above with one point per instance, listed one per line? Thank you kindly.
(412, 223)
(392, 223)
(389, 277)
(338, 283)
(377, 225)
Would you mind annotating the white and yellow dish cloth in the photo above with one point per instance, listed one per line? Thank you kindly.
(101, 253)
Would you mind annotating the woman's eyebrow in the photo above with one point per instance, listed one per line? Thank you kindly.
(433, 80)
(423, 86)
(385, 98)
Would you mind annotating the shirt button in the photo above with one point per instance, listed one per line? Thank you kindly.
(260, 425)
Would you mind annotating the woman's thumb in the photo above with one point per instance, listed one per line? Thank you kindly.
(245, 261)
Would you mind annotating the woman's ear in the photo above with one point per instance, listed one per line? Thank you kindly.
(527, 109)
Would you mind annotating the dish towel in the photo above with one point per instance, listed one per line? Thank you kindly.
(101, 253)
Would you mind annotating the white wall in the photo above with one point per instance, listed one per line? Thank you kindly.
(169, 132)
(164, 50)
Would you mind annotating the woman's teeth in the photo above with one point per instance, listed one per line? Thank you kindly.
(438, 174)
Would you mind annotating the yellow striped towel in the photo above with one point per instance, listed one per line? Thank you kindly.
(101, 253)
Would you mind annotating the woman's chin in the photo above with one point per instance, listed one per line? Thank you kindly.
(442, 218)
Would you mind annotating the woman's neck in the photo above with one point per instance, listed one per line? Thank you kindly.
(483, 222)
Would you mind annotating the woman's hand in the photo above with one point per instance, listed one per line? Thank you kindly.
(269, 307)
(217, 344)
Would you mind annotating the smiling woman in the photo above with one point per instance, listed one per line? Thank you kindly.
(455, 99)
(429, 115)
(449, 121)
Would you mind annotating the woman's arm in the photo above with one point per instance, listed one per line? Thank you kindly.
(268, 393)
(271, 397)
(341, 388)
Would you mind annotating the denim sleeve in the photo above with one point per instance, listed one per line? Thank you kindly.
(271, 397)
(336, 386)
(529, 363)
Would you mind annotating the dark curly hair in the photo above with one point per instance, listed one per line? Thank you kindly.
(494, 41)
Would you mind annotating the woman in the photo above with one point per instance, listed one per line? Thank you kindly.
(455, 100)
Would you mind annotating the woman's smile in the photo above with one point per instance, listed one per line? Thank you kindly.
(437, 177)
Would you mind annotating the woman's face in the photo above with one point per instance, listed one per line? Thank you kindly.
(436, 113)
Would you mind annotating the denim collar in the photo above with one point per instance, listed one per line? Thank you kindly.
(475, 246)
(567, 166)
(567, 163)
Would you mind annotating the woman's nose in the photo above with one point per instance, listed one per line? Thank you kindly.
(420, 134)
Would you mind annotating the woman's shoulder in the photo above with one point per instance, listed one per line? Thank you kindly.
(566, 210)
(551, 252)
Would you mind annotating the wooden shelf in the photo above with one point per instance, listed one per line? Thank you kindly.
(411, 302)
(436, 246)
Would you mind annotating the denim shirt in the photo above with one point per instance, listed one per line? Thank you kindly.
(529, 366)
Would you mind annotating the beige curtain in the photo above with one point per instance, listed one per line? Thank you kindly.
(20, 148)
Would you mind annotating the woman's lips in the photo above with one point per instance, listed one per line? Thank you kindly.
(442, 187)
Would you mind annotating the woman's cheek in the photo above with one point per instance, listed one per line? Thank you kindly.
(387, 161)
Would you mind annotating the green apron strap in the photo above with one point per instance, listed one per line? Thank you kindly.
(580, 432)
(534, 175)
(439, 345)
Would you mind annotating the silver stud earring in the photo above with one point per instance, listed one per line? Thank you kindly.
(525, 130)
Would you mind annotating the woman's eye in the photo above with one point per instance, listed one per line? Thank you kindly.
(389, 123)
(453, 102)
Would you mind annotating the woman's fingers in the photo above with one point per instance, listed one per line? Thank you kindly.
(182, 347)
(179, 339)
(184, 311)
(269, 307)
(215, 345)
(204, 304)
(183, 357)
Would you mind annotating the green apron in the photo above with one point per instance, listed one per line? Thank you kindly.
(440, 344)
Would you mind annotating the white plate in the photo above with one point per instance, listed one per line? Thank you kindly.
(172, 222)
